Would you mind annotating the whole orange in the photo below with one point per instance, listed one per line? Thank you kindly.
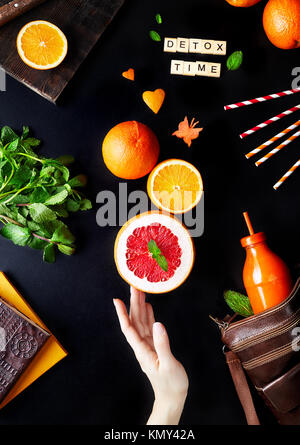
(281, 22)
(243, 3)
(130, 150)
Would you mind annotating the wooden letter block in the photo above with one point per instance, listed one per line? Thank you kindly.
(220, 47)
(189, 68)
(195, 45)
(207, 46)
(182, 45)
(214, 70)
(177, 67)
(201, 68)
(170, 45)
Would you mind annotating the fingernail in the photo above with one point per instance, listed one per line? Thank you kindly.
(114, 301)
(158, 329)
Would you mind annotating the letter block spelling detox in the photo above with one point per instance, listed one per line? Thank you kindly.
(198, 46)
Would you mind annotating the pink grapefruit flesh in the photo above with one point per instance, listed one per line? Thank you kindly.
(136, 264)
(139, 259)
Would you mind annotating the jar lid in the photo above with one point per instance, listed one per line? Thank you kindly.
(253, 239)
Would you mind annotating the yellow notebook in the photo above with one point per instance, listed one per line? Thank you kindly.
(50, 354)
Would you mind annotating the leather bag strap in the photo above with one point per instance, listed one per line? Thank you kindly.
(242, 388)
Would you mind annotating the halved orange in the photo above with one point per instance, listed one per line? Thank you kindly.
(175, 186)
(42, 45)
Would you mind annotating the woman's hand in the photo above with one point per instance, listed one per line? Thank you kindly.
(150, 343)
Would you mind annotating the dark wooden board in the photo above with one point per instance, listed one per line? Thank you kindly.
(83, 22)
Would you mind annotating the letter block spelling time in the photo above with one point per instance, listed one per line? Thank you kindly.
(195, 68)
(177, 67)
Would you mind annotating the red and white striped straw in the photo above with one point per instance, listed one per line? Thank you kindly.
(287, 174)
(277, 149)
(274, 139)
(261, 99)
(269, 121)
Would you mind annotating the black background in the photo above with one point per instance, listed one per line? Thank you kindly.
(100, 382)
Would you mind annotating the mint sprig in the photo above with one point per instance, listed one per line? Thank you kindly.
(35, 192)
(157, 255)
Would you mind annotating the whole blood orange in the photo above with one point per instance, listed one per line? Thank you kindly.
(130, 150)
(281, 22)
(243, 3)
(140, 265)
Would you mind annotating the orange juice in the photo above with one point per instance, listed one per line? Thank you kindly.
(266, 277)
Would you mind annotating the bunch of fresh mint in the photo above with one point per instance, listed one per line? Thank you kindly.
(35, 192)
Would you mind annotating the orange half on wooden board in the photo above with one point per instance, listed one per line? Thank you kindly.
(42, 45)
(50, 354)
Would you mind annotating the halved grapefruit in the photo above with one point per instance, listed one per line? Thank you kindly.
(154, 252)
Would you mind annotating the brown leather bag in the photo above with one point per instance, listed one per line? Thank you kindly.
(267, 347)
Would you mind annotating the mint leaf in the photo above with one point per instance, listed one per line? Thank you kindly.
(37, 243)
(49, 254)
(49, 227)
(67, 250)
(24, 211)
(153, 248)
(64, 171)
(63, 235)
(19, 199)
(235, 60)
(18, 235)
(85, 204)
(239, 303)
(39, 194)
(47, 171)
(157, 256)
(13, 145)
(66, 159)
(155, 36)
(158, 19)
(72, 205)
(78, 181)
(162, 262)
(34, 227)
(8, 135)
(41, 214)
(60, 210)
(21, 177)
(25, 132)
(32, 142)
(58, 198)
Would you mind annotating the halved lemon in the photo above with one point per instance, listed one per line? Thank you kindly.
(42, 45)
(175, 186)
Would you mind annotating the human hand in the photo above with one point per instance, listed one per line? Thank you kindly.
(150, 343)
